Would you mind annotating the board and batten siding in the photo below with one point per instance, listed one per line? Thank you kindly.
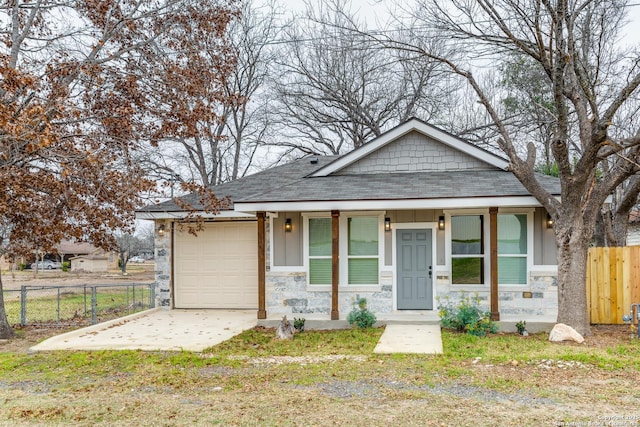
(287, 246)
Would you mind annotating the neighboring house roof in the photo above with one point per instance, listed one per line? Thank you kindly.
(92, 257)
(441, 171)
(69, 247)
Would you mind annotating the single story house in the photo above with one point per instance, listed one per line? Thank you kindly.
(412, 217)
(93, 263)
(83, 256)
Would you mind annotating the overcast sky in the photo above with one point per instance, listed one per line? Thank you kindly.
(378, 9)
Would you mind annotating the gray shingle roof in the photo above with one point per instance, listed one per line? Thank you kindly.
(290, 183)
(251, 185)
(400, 186)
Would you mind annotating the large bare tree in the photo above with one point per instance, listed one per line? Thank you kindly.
(336, 91)
(529, 102)
(591, 80)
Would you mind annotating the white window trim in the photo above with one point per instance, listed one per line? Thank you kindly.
(530, 246)
(344, 249)
(343, 260)
(305, 249)
(433, 226)
(487, 248)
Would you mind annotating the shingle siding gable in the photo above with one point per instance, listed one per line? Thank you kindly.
(415, 152)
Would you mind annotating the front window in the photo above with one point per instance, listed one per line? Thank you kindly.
(320, 251)
(362, 250)
(467, 250)
(512, 249)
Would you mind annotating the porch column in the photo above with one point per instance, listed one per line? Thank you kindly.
(335, 277)
(262, 266)
(493, 254)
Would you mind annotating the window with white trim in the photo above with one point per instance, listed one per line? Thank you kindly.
(319, 251)
(512, 249)
(467, 250)
(362, 252)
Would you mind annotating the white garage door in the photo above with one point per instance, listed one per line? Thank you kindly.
(218, 268)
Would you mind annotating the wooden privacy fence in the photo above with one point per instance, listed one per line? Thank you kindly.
(613, 283)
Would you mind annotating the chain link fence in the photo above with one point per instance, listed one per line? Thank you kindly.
(76, 305)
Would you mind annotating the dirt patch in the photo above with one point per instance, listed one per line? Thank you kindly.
(28, 336)
(609, 335)
(602, 336)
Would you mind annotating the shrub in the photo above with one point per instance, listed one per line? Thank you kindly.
(466, 316)
(298, 324)
(521, 326)
(360, 315)
(66, 266)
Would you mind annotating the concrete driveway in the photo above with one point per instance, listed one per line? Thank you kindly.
(156, 329)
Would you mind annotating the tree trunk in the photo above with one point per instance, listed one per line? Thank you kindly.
(599, 233)
(5, 329)
(123, 265)
(620, 226)
(573, 247)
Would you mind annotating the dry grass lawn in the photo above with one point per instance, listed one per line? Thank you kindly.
(329, 378)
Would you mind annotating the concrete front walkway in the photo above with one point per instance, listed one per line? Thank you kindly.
(194, 330)
(156, 329)
(410, 338)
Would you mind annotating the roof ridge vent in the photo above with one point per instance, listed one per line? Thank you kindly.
(313, 160)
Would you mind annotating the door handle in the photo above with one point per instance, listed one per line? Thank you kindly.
(430, 272)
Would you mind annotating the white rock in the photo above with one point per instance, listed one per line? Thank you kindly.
(562, 332)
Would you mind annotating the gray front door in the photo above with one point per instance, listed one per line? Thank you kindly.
(414, 269)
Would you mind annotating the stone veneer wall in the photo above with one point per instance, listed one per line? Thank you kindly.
(163, 265)
(287, 293)
(413, 153)
(543, 303)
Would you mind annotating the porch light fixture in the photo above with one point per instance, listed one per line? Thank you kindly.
(441, 222)
(549, 221)
(387, 224)
(287, 225)
(161, 230)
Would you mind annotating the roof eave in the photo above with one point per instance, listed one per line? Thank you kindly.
(178, 215)
(388, 204)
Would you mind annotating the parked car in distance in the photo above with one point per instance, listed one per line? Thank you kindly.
(136, 259)
(47, 264)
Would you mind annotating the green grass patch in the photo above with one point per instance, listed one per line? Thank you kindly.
(259, 342)
(503, 348)
(240, 383)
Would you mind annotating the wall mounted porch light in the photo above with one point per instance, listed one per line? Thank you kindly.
(161, 230)
(549, 221)
(441, 222)
(287, 225)
(387, 224)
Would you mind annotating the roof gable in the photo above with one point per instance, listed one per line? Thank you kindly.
(411, 147)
